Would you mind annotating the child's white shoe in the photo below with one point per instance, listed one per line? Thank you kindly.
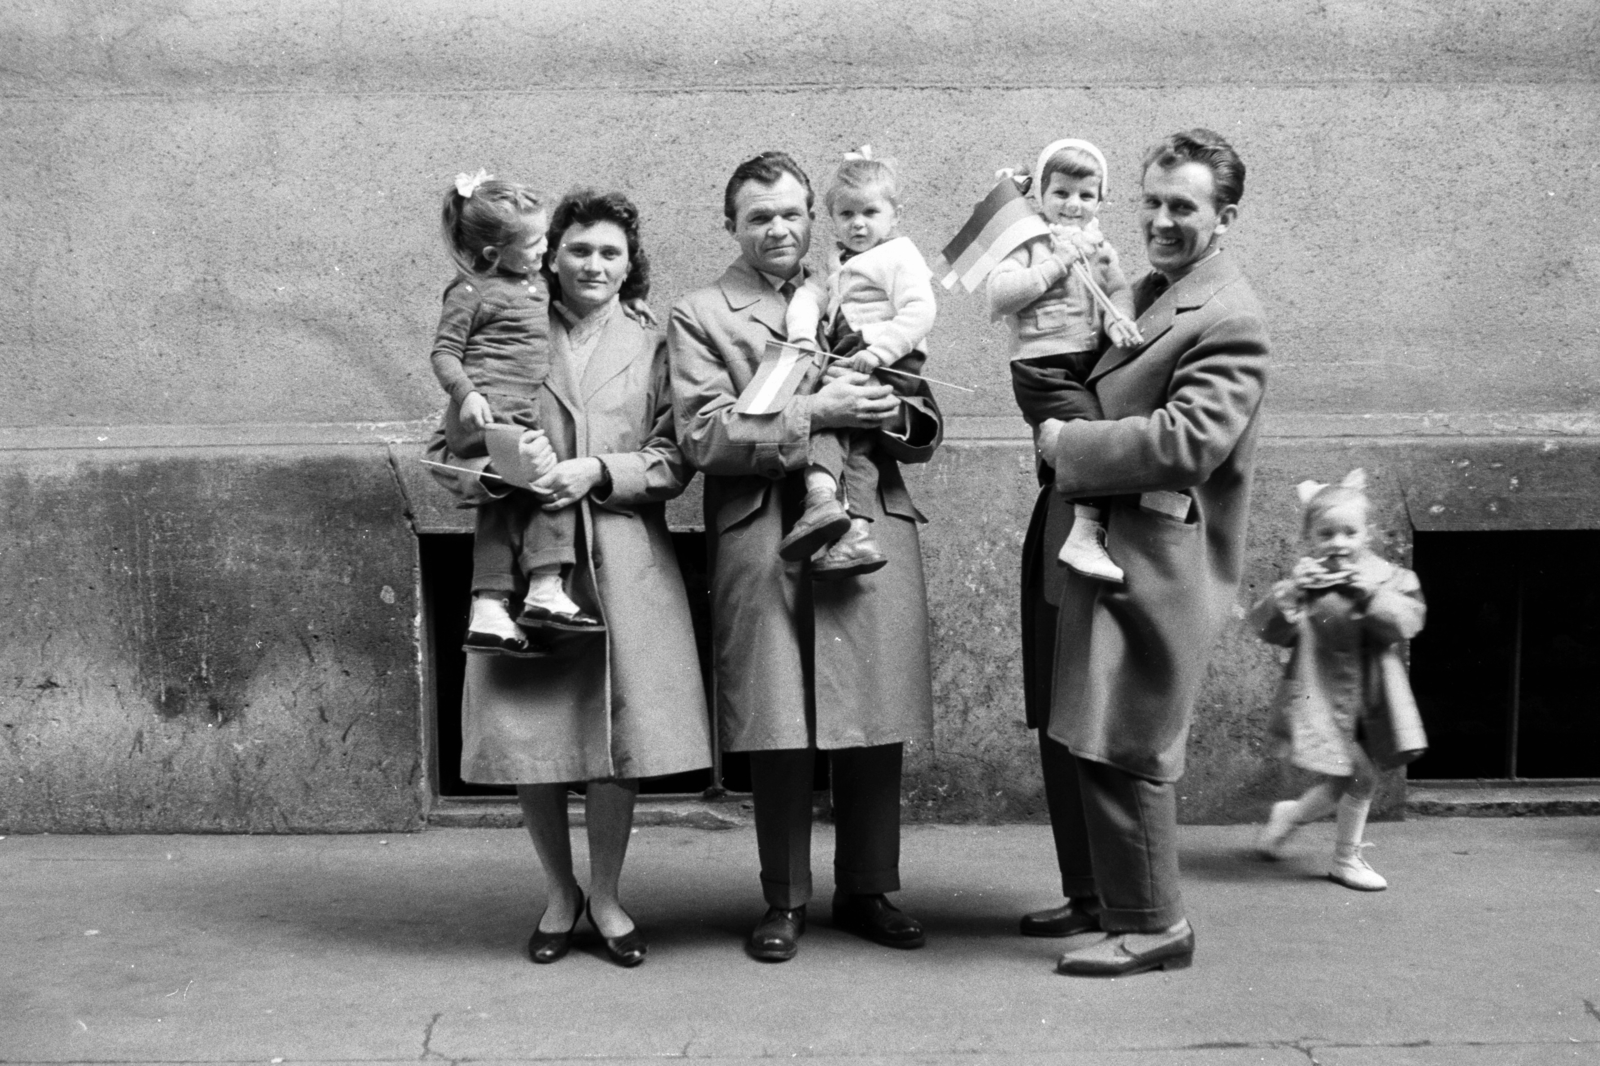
(1281, 824)
(1085, 551)
(1350, 869)
(490, 628)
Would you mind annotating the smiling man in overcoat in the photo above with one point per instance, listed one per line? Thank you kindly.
(804, 666)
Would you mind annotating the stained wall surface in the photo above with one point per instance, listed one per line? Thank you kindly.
(221, 272)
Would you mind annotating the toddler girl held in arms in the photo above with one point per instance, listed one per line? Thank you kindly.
(874, 310)
(492, 355)
(1345, 707)
(1056, 324)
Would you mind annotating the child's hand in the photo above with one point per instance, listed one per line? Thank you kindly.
(475, 411)
(1063, 247)
(1286, 595)
(1124, 334)
(863, 362)
(639, 311)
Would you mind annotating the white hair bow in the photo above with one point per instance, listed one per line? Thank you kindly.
(467, 184)
(1355, 479)
(862, 153)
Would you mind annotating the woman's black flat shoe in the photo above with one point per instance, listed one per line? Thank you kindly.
(627, 950)
(545, 948)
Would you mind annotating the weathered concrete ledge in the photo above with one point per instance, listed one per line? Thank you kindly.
(225, 639)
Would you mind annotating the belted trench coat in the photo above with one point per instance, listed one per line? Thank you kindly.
(798, 664)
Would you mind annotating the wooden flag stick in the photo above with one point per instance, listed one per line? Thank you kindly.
(461, 469)
(881, 369)
(1100, 298)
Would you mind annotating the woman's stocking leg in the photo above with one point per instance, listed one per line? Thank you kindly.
(544, 812)
(609, 814)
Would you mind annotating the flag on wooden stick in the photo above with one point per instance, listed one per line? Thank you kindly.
(783, 368)
(999, 225)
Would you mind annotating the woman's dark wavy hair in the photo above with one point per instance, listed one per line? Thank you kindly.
(1210, 150)
(585, 207)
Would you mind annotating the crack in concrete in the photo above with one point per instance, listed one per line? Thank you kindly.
(427, 1038)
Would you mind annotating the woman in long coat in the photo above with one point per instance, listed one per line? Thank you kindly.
(630, 703)
(1114, 670)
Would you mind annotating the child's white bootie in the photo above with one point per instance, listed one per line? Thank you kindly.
(1281, 824)
(1350, 869)
(1085, 548)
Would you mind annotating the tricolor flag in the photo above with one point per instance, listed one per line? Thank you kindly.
(783, 368)
(1001, 224)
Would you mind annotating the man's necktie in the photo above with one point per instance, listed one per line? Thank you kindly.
(786, 290)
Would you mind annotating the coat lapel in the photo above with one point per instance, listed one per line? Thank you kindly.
(611, 356)
(747, 292)
(1189, 292)
(560, 381)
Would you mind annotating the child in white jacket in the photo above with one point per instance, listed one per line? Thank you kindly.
(874, 310)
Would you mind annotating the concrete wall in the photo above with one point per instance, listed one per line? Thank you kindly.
(221, 275)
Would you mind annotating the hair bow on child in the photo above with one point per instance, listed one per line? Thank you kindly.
(1307, 490)
(863, 153)
(467, 184)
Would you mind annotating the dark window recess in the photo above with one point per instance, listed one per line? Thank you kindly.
(446, 561)
(1504, 671)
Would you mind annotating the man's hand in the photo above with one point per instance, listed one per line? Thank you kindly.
(849, 400)
(569, 482)
(475, 412)
(1044, 440)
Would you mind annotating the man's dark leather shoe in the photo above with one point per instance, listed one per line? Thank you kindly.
(875, 918)
(1125, 954)
(777, 937)
(1069, 919)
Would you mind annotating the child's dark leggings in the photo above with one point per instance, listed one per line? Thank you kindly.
(848, 455)
(1052, 386)
(514, 536)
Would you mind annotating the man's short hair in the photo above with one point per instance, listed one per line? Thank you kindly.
(1211, 151)
(768, 168)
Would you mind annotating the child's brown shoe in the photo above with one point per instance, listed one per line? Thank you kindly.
(856, 553)
(823, 522)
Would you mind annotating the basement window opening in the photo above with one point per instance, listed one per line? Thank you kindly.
(1504, 669)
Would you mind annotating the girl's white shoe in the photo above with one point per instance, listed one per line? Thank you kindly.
(1350, 869)
(1280, 826)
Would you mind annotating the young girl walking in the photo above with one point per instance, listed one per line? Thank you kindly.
(492, 356)
(874, 309)
(1344, 708)
(1056, 324)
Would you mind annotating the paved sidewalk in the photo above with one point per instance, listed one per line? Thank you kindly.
(400, 949)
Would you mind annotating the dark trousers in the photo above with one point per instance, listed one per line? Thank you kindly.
(1052, 386)
(1116, 838)
(847, 456)
(866, 811)
(514, 536)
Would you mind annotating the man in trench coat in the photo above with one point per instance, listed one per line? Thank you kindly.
(1121, 665)
(803, 666)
